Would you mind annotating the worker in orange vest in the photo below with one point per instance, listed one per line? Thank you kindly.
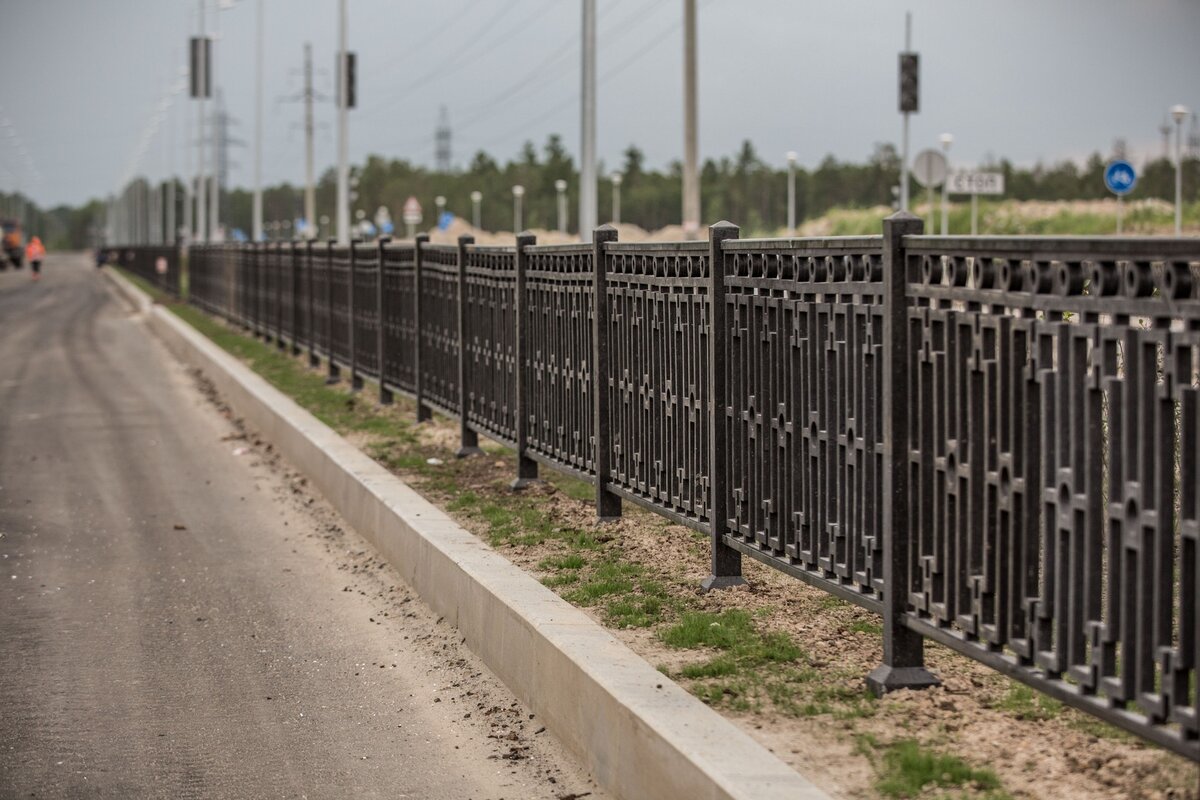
(34, 253)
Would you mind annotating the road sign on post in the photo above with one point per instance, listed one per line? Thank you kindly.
(976, 183)
(929, 170)
(1119, 178)
(412, 214)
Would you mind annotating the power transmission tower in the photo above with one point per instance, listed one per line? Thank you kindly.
(442, 141)
(220, 141)
(309, 96)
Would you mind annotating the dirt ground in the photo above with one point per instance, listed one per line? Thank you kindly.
(1038, 749)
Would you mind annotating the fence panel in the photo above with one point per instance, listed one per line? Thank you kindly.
(803, 420)
(366, 308)
(399, 323)
(489, 298)
(658, 386)
(1055, 425)
(558, 310)
(318, 265)
(339, 303)
(439, 326)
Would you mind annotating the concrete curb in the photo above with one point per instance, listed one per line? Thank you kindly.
(640, 734)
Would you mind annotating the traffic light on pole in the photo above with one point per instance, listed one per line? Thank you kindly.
(909, 82)
(348, 63)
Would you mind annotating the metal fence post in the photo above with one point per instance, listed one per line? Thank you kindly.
(310, 327)
(261, 278)
(726, 561)
(356, 381)
(903, 664)
(334, 371)
(385, 394)
(423, 411)
(294, 261)
(468, 438)
(279, 290)
(608, 504)
(527, 468)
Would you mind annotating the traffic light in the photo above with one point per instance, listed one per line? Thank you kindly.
(351, 99)
(909, 83)
(200, 50)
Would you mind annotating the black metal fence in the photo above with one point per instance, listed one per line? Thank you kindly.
(990, 442)
(157, 265)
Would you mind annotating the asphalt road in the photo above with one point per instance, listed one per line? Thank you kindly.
(180, 618)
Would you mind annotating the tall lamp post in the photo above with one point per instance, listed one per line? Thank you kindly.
(616, 183)
(791, 162)
(560, 186)
(518, 192)
(946, 140)
(476, 200)
(1179, 113)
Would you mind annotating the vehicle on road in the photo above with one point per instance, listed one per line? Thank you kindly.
(13, 241)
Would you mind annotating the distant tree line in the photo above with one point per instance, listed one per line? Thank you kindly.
(743, 189)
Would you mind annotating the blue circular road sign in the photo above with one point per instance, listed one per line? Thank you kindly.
(1120, 177)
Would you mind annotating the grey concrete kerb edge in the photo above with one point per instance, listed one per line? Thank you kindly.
(640, 734)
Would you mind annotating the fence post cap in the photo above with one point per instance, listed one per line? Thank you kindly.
(902, 216)
(723, 225)
(466, 238)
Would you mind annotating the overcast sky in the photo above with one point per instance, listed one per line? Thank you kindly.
(1024, 79)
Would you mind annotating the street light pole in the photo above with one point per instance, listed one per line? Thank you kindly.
(1179, 113)
(518, 192)
(476, 200)
(560, 186)
(343, 169)
(256, 223)
(691, 178)
(587, 172)
(905, 115)
(616, 186)
(791, 162)
(201, 178)
(946, 140)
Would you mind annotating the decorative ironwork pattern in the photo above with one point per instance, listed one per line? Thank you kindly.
(339, 303)
(993, 442)
(439, 326)
(803, 416)
(366, 308)
(1054, 430)
(399, 308)
(558, 314)
(489, 296)
(659, 388)
(319, 270)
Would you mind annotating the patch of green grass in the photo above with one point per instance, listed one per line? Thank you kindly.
(1026, 704)
(609, 578)
(565, 578)
(908, 768)
(716, 668)
(867, 626)
(732, 631)
(573, 488)
(569, 561)
(641, 612)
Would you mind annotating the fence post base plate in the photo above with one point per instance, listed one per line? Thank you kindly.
(884, 679)
(717, 582)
